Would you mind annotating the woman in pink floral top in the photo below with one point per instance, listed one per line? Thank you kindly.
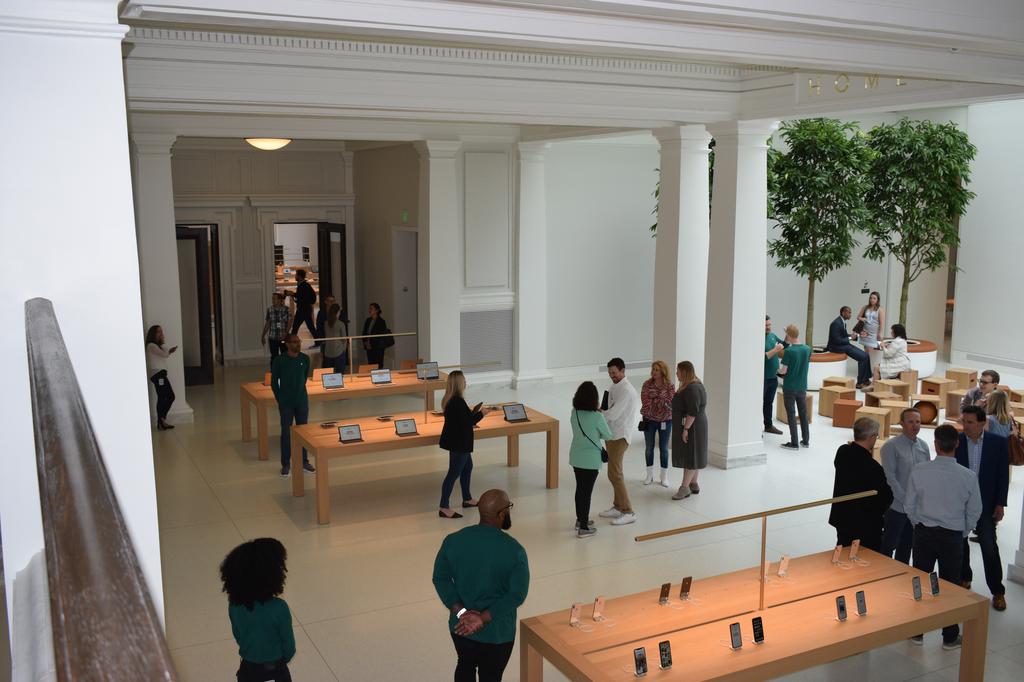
(656, 410)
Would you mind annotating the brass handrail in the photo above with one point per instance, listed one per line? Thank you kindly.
(103, 620)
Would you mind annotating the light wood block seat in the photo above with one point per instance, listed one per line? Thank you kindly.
(829, 394)
(878, 414)
(844, 412)
(964, 378)
(897, 386)
(939, 386)
(873, 398)
(780, 409)
(845, 382)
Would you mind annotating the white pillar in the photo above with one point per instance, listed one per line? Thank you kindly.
(737, 272)
(70, 237)
(531, 316)
(1015, 571)
(681, 256)
(440, 262)
(158, 253)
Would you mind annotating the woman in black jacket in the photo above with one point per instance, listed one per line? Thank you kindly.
(457, 439)
(374, 324)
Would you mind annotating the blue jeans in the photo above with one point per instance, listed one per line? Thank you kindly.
(898, 536)
(652, 428)
(300, 415)
(460, 466)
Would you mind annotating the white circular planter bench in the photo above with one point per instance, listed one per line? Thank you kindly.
(923, 356)
(824, 364)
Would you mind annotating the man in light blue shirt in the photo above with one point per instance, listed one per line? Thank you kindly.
(899, 456)
(943, 501)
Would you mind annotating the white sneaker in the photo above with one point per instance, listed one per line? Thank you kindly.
(623, 519)
(650, 476)
(610, 513)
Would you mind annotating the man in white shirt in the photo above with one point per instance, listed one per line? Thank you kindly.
(899, 457)
(622, 415)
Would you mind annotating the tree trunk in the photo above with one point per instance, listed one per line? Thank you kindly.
(809, 331)
(904, 294)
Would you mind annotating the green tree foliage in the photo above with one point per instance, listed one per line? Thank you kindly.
(918, 175)
(816, 192)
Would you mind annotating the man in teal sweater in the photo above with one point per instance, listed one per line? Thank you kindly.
(288, 374)
(482, 576)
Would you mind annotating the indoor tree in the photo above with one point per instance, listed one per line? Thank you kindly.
(918, 175)
(816, 190)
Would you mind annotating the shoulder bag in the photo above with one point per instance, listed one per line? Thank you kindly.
(1016, 444)
(604, 453)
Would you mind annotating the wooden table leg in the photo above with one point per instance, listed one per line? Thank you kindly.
(972, 653)
(246, 418)
(428, 400)
(531, 663)
(323, 492)
(513, 450)
(298, 486)
(261, 431)
(552, 463)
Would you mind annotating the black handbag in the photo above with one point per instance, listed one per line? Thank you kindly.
(859, 327)
(604, 452)
(642, 426)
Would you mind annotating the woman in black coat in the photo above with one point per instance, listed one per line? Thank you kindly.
(457, 439)
(374, 324)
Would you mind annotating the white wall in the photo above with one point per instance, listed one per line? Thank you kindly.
(71, 263)
(294, 236)
(926, 313)
(600, 254)
(986, 329)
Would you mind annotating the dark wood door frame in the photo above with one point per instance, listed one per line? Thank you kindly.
(323, 239)
(203, 374)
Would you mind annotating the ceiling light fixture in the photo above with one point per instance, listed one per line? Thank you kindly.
(268, 144)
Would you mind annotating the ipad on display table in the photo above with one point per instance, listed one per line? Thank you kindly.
(332, 381)
(380, 376)
(350, 433)
(515, 413)
(427, 371)
(405, 427)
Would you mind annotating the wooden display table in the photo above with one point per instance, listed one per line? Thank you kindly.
(831, 393)
(780, 408)
(844, 412)
(800, 627)
(845, 382)
(878, 414)
(378, 436)
(257, 395)
(939, 386)
(901, 388)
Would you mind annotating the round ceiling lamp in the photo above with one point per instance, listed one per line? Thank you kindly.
(268, 143)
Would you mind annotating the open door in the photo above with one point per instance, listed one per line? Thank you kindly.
(196, 309)
(332, 263)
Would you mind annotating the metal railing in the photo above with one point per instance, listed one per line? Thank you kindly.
(104, 624)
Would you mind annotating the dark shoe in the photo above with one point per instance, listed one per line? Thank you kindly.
(455, 515)
(917, 640)
(772, 429)
(695, 489)
(285, 472)
(974, 538)
(999, 602)
(160, 426)
(585, 533)
(467, 505)
(577, 524)
(790, 446)
(805, 444)
(953, 645)
(309, 468)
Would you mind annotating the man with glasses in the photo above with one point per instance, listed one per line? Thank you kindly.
(979, 395)
(482, 576)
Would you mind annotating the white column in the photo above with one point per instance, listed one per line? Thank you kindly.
(737, 272)
(1015, 570)
(158, 253)
(69, 235)
(531, 316)
(681, 257)
(440, 262)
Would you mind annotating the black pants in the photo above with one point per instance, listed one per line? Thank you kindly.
(945, 546)
(375, 356)
(263, 672)
(870, 538)
(770, 387)
(164, 394)
(585, 480)
(863, 362)
(304, 315)
(276, 347)
(489, 660)
(986, 531)
(898, 536)
(796, 403)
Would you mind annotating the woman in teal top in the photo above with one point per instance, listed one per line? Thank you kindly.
(588, 430)
(253, 575)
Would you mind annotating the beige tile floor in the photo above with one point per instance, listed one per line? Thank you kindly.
(360, 591)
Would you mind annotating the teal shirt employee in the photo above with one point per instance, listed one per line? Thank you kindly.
(797, 361)
(771, 365)
(288, 380)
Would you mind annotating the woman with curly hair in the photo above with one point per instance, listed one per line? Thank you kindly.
(253, 575)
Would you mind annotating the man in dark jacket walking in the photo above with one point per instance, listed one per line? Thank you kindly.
(857, 471)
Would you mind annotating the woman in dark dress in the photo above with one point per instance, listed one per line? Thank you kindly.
(374, 348)
(689, 429)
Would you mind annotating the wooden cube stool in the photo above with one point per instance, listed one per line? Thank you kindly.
(844, 412)
(928, 406)
(954, 397)
(1017, 408)
(910, 376)
(873, 398)
(895, 408)
(829, 394)
(956, 425)
(1016, 396)
(937, 386)
(780, 409)
(845, 382)
(964, 378)
(876, 451)
(893, 386)
(878, 414)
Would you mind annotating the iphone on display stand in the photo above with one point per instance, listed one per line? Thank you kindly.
(665, 589)
(574, 616)
(934, 578)
(862, 604)
(840, 608)
(599, 608)
(735, 637)
(758, 630)
(665, 655)
(783, 566)
(640, 661)
(684, 589)
(916, 584)
(854, 550)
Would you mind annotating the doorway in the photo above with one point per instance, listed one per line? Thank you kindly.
(405, 316)
(202, 337)
(318, 249)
